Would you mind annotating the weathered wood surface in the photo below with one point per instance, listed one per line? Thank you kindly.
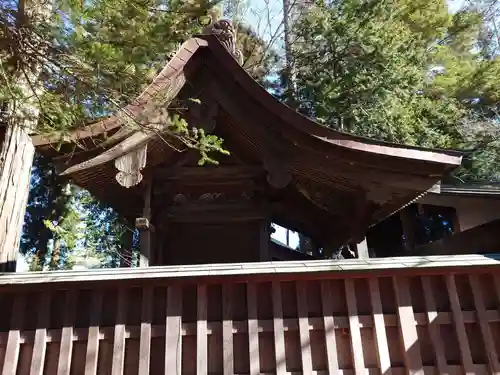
(446, 322)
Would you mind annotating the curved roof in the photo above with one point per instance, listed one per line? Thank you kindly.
(300, 122)
(334, 174)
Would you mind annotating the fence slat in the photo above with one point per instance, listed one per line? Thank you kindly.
(201, 332)
(458, 320)
(14, 337)
(356, 343)
(407, 327)
(305, 340)
(40, 344)
(384, 361)
(93, 338)
(489, 344)
(145, 340)
(329, 327)
(253, 329)
(117, 365)
(66, 348)
(434, 331)
(279, 336)
(227, 329)
(173, 333)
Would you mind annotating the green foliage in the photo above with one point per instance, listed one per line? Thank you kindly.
(95, 56)
(402, 71)
(65, 225)
(50, 216)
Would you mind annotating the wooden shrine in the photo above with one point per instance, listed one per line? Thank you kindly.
(406, 315)
(282, 168)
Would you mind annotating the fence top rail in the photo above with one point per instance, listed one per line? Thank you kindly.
(288, 270)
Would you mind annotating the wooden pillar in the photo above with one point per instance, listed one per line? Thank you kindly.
(143, 224)
(362, 249)
(408, 224)
(264, 232)
(127, 244)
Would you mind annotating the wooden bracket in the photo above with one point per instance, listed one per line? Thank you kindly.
(143, 224)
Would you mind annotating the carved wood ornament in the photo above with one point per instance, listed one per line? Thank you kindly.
(225, 32)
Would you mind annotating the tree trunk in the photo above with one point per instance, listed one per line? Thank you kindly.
(289, 58)
(20, 115)
(16, 158)
(56, 254)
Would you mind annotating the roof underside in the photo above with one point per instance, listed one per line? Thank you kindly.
(340, 176)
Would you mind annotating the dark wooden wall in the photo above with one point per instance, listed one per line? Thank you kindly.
(224, 242)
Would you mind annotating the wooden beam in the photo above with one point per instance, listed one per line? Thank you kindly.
(458, 319)
(434, 330)
(14, 338)
(362, 249)
(279, 334)
(118, 362)
(264, 241)
(173, 332)
(66, 347)
(356, 343)
(201, 332)
(40, 345)
(227, 330)
(329, 327)
(489, 343)
(383, 358)
(145, 340)
(407, 327)
(253, 329)
(145, 236)
(187, 175)
(93, 336)
(408, 224)
(305, 339)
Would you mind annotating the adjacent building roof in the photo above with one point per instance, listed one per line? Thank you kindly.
(335, 182)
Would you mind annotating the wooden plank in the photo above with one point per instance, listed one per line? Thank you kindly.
(289, 270)
(458, 320)
(93, 338)
(173, 336)
(434, 331)
(145, 340)
(253, 329)
(117, 365)
(383, 358)
(356, 343)
(329, 327)
(279, 335)
(11, 357)
(66, 348)
(489, 344)
(303, 315)
(201, 332)
(227, 329)
(40, 345)
(407, 327)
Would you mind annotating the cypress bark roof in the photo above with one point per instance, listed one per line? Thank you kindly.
(335, 173)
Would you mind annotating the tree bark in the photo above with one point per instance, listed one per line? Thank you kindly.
(16, 158)
(20, 115)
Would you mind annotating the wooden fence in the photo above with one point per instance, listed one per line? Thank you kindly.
(422, 316)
